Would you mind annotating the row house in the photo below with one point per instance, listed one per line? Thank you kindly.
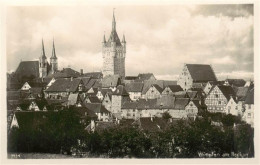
(235, 105)
(248, 115)
(195, 73)
(171, 89)
(102, 113)
(102, 92)
(218, 98)
(135, 90)
(153, 92)
(64, 87)
(176, 107)
(33, 105)
(211, 84)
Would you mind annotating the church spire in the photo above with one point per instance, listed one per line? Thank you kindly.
(53, 51)
(104, 39)
(43, 51)
(114, 21)
(123, 40)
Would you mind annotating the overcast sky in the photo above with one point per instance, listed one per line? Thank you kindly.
(160, 39)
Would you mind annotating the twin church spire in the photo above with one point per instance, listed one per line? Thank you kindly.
(44, 67)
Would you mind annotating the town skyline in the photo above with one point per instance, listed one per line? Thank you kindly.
(223, 35)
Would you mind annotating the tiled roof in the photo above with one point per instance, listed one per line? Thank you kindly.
(147, 104)
(236, 82)
(154, 125)
(181, 103)
(130, 77)
(241, 92)
(65, 73)
(181, 94)
(93, 99)
(84, 112)
(105, 91)
(134, 87)
(129, 105)
(227, 91)
(27, 69)
(199, 85)
(110, 81)
(149, 83)
(192, 94)
(64, 85)
(175, 88)
(158, 88)
(250, 97)
(95, 75)
(169, 83)
(166, 102)
(144, 76)
(201, 73)
(96, 107)
(120, 90)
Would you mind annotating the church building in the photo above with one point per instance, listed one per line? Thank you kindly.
(28, 70)
(113, 52)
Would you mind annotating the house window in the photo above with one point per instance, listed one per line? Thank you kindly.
(216, 95)
(249, 115)
(219, 102)
(249, 106)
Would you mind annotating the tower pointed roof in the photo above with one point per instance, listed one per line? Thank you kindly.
(53, 56)
(123, 40)
(113, 36)
(104, 39)
(43, 51)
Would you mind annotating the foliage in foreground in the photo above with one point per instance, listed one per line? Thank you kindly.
(184, 139)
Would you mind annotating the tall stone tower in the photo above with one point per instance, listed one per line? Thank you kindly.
(113, 52)
(54, 60)
(43, 63)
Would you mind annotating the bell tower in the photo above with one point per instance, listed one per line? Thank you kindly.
(43, 64)
(113, 52)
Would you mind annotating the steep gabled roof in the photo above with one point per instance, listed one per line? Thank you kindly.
(144, 76)
(169, 83)
(64, 85)
(181, 103)
(175, 88)
(120, 90)
(110, 81)
(84, 112)
(27, 69)
(134, 87)
(227, 91)
(96, 107)
(201, 73)
(158, 88)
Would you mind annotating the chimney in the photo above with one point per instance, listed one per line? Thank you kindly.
(170, 120)
(81, 71)
(71, 79)
(151, 118)
(92, 125)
